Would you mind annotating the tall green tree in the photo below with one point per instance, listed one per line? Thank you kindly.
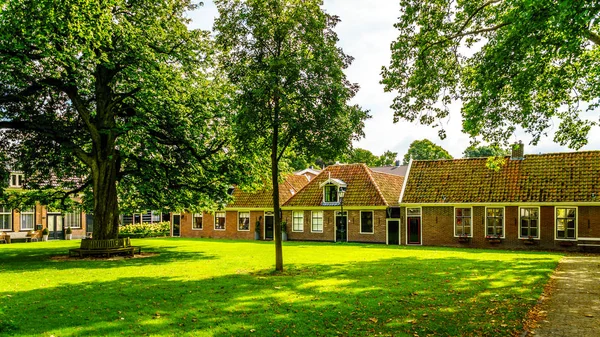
(358, 155)
(291, 91)
(425, 150)
(115, 100)
(512, 63)
(485, 151)
(386, 159)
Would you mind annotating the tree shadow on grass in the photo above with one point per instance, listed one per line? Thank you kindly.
(395, 296)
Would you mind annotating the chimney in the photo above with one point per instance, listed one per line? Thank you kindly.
(397, 163)
(518, 151)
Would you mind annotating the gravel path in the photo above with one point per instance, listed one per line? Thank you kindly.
(573, 308)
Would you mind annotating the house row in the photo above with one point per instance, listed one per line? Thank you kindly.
(545, 201)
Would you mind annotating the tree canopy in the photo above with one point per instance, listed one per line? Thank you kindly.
(291, 91)
(425, 150)
(358, 155)
(519, 63)
(485, 151)
(117, 101)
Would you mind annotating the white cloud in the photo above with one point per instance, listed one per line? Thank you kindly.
(366, 32)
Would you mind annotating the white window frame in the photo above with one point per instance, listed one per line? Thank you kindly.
(312, 221)
(30, 212)
(224, 221)
(239, 218)
(294, 217)
(372, 219)
(454, 212)
(337, 193)
(194, 216)
(556, 223)
(18, 178)
(3, 213)
(72, 216)
(420, 216)
(538, 222)
(503, 221)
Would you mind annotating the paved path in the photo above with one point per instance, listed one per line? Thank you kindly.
(573, 308)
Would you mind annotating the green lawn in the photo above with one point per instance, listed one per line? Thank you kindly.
(226, 288)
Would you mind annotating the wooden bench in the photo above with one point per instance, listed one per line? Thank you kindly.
(12, 236)
(105, 247)
(588, 243)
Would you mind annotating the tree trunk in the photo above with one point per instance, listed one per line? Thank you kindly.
(106, 207)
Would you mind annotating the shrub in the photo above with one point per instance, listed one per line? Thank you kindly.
(145, 229)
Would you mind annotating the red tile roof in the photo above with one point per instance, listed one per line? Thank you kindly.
(364, 187)
(263, 198)
(555, 177)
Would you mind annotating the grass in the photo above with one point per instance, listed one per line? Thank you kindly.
(226, 288)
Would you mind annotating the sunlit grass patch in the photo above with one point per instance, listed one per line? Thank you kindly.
(227, 288)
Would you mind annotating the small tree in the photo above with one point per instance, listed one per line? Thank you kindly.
(291, 91)
(120, 95)
(425, 150)
(485, 151)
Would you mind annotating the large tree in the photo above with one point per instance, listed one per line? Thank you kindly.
(485, 151)
(291, 91)
(512, 63)
(114, 100)
(425, 150)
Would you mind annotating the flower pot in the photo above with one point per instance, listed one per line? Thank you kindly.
(45, 237)
(464, 240)
(494, 240)
(283, 236)
(68, 236)
(529, 242)
(256, 236)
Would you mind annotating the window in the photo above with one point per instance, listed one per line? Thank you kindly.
(462, 222)
(494, 220)
(197, 221)
(16, 180)
(298, 221)
(317, 221)
(413, 212)
(366, 222)
(5, 218)
(73, 220)
(565, 223)
(330, 193)
(27, 218)
(220, 221)
(244, 221)
(529, 219)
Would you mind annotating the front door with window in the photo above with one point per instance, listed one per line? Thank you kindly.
(176, 225)
(414, 230)
(269, 221)
(393, 232)
(341, 227)
(55, 226)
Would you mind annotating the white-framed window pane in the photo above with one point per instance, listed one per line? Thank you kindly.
(529, 219)
(298, 221)
(197, 221)
(462, 224)
(27, 218)
(366, 222)
(244, 221)
(73, 220)
(5, 218)
(565, 223)
(220, 220)
(317, 221)
(495, 221)
(331, 193)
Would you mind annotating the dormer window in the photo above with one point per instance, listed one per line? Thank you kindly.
(330, 193)
(16, 180)
(332, 189)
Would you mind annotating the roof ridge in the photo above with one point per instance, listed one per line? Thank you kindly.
(369, 173)
(389, 174)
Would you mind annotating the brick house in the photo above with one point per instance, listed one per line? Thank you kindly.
(346, 203)
(547, 201)
(238, 220)
(37, 217)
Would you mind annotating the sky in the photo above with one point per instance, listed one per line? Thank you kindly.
(366, 32)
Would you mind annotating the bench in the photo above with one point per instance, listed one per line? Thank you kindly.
(12, 236)
(105, 247)
(588, 243)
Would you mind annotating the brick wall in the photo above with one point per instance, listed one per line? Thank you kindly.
(327, 234)
(208, 226)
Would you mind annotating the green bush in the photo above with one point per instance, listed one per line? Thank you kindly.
(145, 230)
